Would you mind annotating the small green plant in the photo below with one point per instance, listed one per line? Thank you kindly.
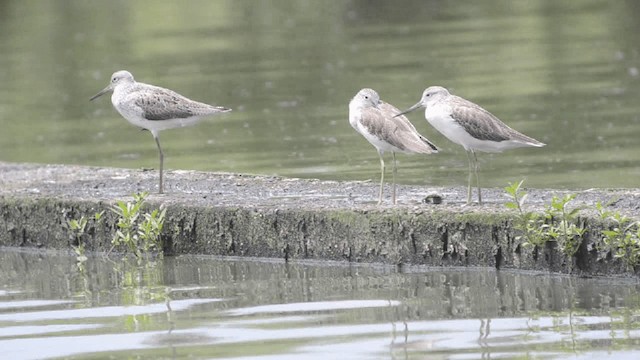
(559, 223)
(138, 232)
(530, 224)
(563, 224)
(78, 229)
(77, 226)
(621, 236)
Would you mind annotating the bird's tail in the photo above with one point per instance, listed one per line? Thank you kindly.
(431, 147)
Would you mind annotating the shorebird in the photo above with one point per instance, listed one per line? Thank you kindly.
(374, 119)
(154, 108)
(470, 126)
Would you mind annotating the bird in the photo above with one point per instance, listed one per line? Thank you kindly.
(374, 119)
(154, 108)
(470, 126)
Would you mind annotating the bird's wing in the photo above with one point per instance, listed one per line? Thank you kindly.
(373, 123)
(403, 134)
(163, 104)
(478, 122)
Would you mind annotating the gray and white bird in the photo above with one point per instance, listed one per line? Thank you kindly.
(470, 126)
(154, 108)
(374, 119)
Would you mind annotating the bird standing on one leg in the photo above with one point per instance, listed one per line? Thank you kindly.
(374, 119)
(470, 126)
(155, 108)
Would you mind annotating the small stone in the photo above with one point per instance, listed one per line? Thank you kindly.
(432, 199)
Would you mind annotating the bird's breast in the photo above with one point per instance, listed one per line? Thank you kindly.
(354, 117)
(440, 118)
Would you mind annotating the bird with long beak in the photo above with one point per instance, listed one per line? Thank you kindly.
(154, 108)
(470, 126)
(374, 119)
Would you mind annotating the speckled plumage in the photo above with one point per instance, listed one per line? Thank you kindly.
(483, 125)
(469, 125)
(397, 132)
(154, 108)
(374, 119)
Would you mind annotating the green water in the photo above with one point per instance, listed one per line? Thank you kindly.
(566, 73)
(203, 307)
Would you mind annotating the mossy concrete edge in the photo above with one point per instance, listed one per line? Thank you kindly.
(431, 237)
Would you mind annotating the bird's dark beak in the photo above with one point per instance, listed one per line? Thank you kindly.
(416, 106)
(102, 92)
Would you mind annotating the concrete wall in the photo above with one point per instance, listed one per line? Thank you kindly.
(350, 228)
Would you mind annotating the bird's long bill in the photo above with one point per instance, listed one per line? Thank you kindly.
(416, 106)
(102, 92)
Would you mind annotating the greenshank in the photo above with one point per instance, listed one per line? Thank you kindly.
(470, 126)
(374, 119)
(154, 108)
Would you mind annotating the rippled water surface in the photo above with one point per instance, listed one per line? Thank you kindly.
(203, 307)
(564, 72)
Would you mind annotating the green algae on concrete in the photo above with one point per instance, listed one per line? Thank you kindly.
(242, 215)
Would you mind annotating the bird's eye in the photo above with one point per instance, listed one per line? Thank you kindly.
(366, 97)
(114, 79)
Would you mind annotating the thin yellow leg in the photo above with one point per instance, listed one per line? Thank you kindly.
(475, 169)
(395, 170)
(381, 177)
(470, 176)
(156, 137)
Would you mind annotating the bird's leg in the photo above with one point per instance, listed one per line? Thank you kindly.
(393, 194)
(475, 169)
(157, 138)
(381, 177)
(470, 175)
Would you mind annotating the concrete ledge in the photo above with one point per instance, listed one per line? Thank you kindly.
(263, 216)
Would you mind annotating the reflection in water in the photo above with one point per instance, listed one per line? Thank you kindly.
(240, 308)
(565, 73)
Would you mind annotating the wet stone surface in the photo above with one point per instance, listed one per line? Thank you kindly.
(266, 216)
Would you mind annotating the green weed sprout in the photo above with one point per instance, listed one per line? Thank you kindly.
(621, 236)
(530, 224)
(138, 232)
(559, 223)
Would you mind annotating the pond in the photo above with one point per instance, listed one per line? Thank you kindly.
(205, 307)
(566, 73)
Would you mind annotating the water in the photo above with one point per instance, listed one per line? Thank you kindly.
(203, 307)
(566, 73)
